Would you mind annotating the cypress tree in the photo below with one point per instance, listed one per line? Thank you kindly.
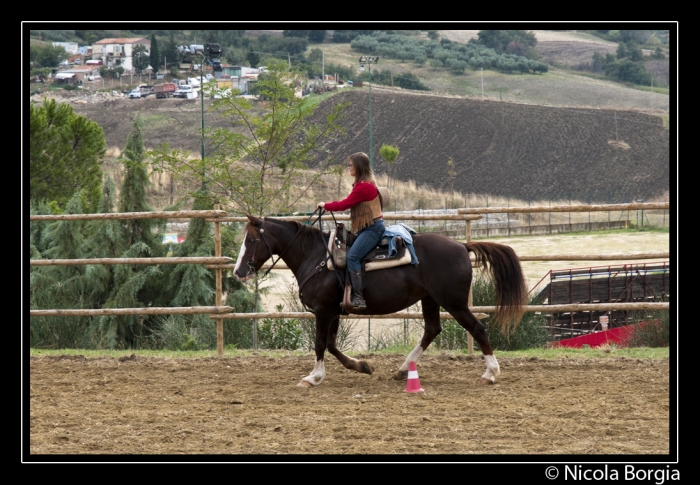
(155, 53)
(61, 287)
(104, 240)
(134, 285)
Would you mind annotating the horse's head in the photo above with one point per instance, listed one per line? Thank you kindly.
(254, 251)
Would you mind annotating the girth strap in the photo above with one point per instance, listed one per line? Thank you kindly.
(317, 270)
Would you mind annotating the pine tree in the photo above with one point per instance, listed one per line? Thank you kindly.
(65, 154)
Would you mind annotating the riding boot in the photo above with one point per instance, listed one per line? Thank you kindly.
(358, 300)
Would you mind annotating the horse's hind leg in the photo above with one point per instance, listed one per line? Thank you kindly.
(348, 362)
(472, 325)
(431, 317)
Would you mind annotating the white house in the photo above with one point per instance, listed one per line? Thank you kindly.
(118, 51)
(69, 47)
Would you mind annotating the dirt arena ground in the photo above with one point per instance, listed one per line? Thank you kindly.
(251, 406)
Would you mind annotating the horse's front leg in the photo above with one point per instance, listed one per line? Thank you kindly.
(319, 373)
(348, 362)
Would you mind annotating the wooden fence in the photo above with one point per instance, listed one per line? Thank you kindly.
(220, 263)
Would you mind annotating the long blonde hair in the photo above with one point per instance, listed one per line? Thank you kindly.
(363, 168)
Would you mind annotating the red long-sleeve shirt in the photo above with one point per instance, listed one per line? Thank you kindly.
(361, 192)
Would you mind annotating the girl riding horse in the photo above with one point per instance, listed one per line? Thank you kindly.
(366, 220)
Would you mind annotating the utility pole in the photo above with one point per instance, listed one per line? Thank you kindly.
(323, 68)
(482, 83)
(369, 61)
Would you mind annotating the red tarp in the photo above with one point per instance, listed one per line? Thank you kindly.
(617, 336)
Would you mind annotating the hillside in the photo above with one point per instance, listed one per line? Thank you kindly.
(510, 150)
(502, 149)
(558, 135)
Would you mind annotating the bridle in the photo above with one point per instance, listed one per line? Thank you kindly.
(319, 267)
(261, 235)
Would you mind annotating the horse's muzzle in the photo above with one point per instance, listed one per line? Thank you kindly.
(245, 278)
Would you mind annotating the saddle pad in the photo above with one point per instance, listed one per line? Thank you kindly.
(388, 263)
(331, 240)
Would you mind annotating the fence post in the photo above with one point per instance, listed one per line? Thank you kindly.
(219, 290)
(508, 216)
(369, 334)
(589, 212)
(487, 217)
(470, 339)
(255, 320)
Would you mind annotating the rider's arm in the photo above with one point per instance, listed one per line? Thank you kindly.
(364, 191)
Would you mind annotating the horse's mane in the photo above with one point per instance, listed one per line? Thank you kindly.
(309, 235)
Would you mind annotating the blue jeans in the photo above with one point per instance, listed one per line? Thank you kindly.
(366, 241)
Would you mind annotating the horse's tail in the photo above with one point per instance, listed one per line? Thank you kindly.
(507, 275)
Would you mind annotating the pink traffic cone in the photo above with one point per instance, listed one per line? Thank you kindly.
(413, 383)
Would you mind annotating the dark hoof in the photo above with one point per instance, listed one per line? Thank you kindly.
(400, 375)
(366, 368)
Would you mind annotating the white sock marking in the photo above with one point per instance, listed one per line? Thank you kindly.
(317, 375)
(492, 368)
(412, 357)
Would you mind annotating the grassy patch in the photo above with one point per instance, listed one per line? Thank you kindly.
(603, 232)
(155, 121)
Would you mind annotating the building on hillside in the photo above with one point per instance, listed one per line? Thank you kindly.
(118, 51)
(75, 59)
(78, 75)
(69, 47)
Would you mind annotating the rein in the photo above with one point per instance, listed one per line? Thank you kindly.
(279, 256)
(319, 267)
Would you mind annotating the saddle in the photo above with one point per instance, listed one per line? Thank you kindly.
(378, 258)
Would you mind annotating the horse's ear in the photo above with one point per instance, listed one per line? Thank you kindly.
(254, 220)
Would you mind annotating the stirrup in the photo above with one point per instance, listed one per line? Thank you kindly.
(358, 303)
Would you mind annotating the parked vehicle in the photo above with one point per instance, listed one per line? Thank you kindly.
(164, 90)
(135, 93)
(185, 91)
(146, 90)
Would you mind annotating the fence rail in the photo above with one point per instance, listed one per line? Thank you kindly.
(219, 263)
(568, 208)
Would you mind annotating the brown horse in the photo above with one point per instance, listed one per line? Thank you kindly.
(442, 278)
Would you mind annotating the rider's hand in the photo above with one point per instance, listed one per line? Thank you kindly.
(321, 205)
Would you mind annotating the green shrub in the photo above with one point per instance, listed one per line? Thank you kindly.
(280, 333)
(653, 331)
(530, 332)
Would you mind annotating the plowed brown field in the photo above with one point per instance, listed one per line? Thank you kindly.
(251, 405)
